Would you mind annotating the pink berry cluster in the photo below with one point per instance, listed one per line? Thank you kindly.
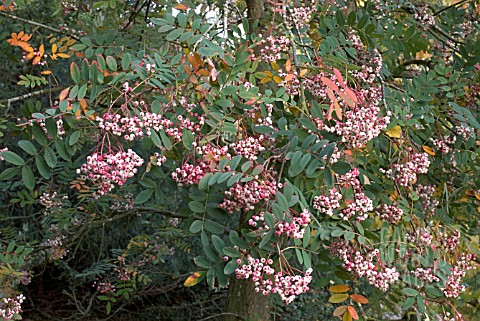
(273, 48)
(287, 284)
(106, 170)
(56, 250)
(291, 85)
(295, 227)
(256, 114)
(157, 159)
(424, 19)
(104, 287)
(406, 173)
(452, 317)
(360, 205)
(364, 265)
(429, 204)
(371, 62)
(427, 275)
(299, 17)
(189, 174)
(444, 145)
(11, 307)
(51, 201)
(453, 286)
(244, 196)
(249, 147)
(327, 203)
(390, 213)
(361, 123)
(291, 227)
(449, 241)
(123, 203)
(465, 132)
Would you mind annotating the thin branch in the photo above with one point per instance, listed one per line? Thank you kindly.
(449, 7)
(224, 313)
(33, 23)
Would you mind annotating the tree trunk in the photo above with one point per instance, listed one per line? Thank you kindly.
(243, 302)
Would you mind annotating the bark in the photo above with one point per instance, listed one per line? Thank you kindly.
(244, 302)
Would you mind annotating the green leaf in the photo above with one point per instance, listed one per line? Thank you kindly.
(410, 292)
(266, 238)
(218, 243)
(42, 167)
(143, 196)
(75, 72)
(213, 227)
(174, 34)
(328, 177)
(111, 63)
(196, 206)
(28, 177)
(187, 139)
(230, 267)
(341, 168)
(126, 59)
(421, 304)
(28, 147)
(237, 240)
(50, 157)
(224, 103)
(232, 180)
(39, 135)
(12, 158)
(165, 140)
(196, 226)
(155, 138)
(9, 173)
(338, 298)
(231, 252)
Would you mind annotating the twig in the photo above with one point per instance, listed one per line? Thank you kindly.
(224, 313)
(449, 7)
(33, 23)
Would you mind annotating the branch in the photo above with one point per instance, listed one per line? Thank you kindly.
(33, 23)
(23, 97)
(450, 6)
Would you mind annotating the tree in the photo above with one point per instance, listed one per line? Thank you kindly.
(280, 147)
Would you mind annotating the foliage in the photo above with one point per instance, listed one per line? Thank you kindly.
(324, 144)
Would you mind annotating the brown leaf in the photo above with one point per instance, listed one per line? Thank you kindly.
(63, 94)
(181, 6)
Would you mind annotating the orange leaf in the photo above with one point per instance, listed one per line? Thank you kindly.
(351, 94)
(359, 298)
(62, 55)
(339, 77)
(428, 150)
(191, 59)
(340, 288)
(347, 99)
(83, 103)
(63, 94)
(353, 312)
(54, 48)
(330, 84)
(36, 60)
(340, 310)
(41, 51)
(338, 110)
(181, 6)
(193, 279)
(289, 77)
(46, 72)
(288, 65)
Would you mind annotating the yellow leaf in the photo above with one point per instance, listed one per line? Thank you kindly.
(428, 150)
(265, 80)
(274, 66)
(303, 72)
(347, 316)
(277, 79)
(193, 279)
(54, 48)
(395, 132)
(339, 288)
(337, 298)
(340, 310)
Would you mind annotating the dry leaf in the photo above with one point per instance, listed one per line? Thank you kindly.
(395, 132)
(428, 150)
